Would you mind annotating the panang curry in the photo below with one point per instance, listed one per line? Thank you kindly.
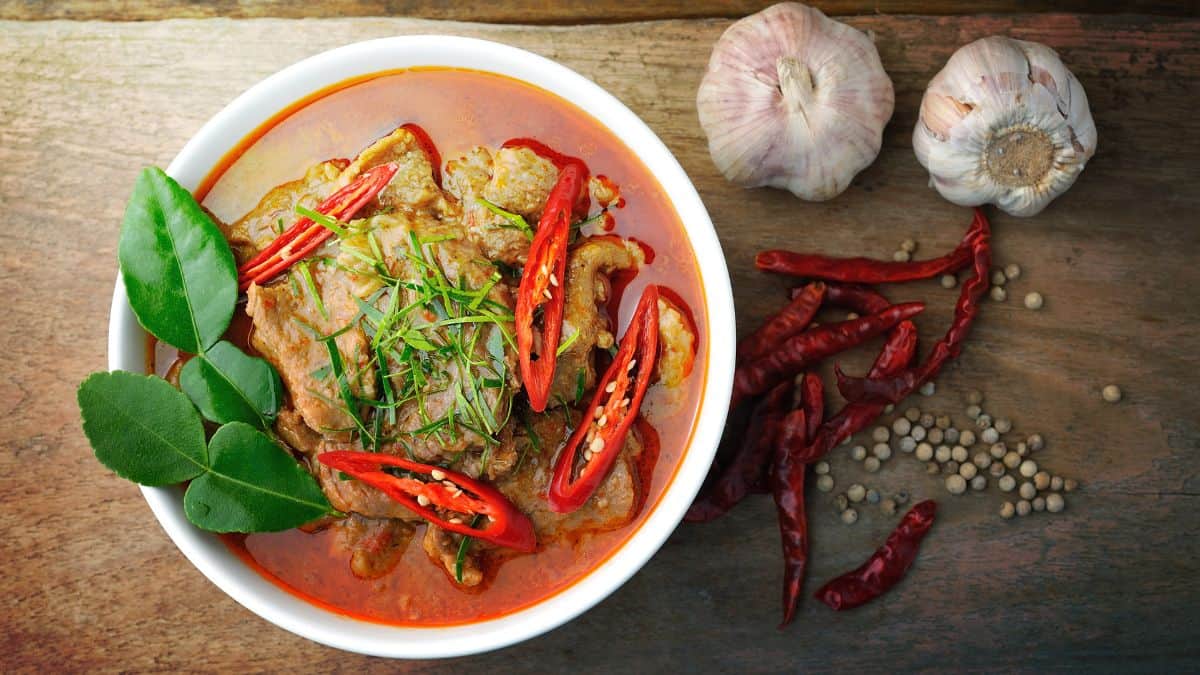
(487, 322)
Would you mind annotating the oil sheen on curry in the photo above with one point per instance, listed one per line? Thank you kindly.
(486, 317)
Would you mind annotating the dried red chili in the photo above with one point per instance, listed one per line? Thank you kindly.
(865, 270)
(886, 567)
(801, 351)
(854, 297)
(745, 471)
(792, 319)
(892, 389)
(502, 523)
(606, 421)
(542, 285)
(787, 487)
(304, 236)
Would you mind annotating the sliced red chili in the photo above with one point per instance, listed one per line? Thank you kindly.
(787, 488)
(542, 285)
(593, 447)
(430, 486)
(792, 319)
(866, 270)
(304, 236)
(894, 388)
(886, 567)
(428, 147)
(805, 349)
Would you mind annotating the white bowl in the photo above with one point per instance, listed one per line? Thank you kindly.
(127, 349)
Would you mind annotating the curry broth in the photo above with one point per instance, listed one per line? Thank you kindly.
(460, 110)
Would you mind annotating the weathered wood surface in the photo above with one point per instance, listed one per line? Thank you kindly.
(535, 12)
(91, 582)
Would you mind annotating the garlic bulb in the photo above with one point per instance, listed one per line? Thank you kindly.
(1004, 123)
(794, 100)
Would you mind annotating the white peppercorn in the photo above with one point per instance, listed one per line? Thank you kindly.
(924, 452)
(950, 467)
(1027, 491)
(825, 483)
(871, 464)
(996, 469)
(959, 454)
(975, 397)
(1034, 300)
(927, 420)
(1036, 442)
(821, 467)
(842, 502)
(1012, 271)
(932, 468)
(908, 245)
(983, 421)
(1028, 468)
(1012, 460)
(998, 450)
(913, 414)
(998, 294)
(889, 408)
(982, 460)
(1007, 510)
(928, 389)
(1006, 483)
(942, 422)
(888, 506)
(1023, 507)
(942, 454)
(901, 256)
(966, 438)
(956, 484)
(1002, 424)
(849, 516)
(998, 278)
(1070, 484)
(935, 436)
(979, 482)
(1041, 480)
(1056, 483)
(974, 411)
(1039, 504)
(989, 435)
(901, 497)
(901, 426)
(968, 470)
(918, 433)
(951, 435)
(949, 281)
(883, 451)
(908, 444)
(1111, 393)
(872, 496)
(880, 435)
(858, 453)
(856, 493)
(1022, 448)
(1055, 502)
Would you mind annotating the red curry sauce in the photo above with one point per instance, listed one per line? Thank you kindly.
(460, 110)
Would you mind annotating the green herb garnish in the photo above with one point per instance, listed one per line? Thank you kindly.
(513, 220)
(463, 547)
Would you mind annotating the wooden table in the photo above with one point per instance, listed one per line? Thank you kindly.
(91, 582)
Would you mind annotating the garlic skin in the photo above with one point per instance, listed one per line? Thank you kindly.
(1004, 123)
(794, 100)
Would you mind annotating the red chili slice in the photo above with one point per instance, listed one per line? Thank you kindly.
(305, 236)
(505, 525)
(542, 286)
(593, 448)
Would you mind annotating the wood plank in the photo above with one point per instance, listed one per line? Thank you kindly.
(91, 582)
(534, 12)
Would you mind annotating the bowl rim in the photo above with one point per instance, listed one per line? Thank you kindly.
(127, 348)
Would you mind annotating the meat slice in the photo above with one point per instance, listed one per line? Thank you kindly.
(442, 548)
(588, 267)
(277, 209)
(514, 179)
(413, 187)
(286, 323)
(375, 546)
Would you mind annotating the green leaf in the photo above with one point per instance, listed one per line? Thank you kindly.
(229, 386)
(178, 270)
(142, 428)
(254, 486)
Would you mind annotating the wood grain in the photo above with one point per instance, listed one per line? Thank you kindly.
(92, 583)
(537, 12)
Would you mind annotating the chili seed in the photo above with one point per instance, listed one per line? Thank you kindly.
(423, 500)
(998, 450)
(849, 516)
(942, 422)
(1056, 483)
(927, 420)
(966, 438)
(1070, 484)
(858, 453)
(883, 451)
(901, 256)
(821, 467)
(872, 496)
(901, 426)
(599, 412)
(632, 363)
(825, 483)
(612, 386)
(924, 452)
(949, 281)
(989, 435)
(928, 389)
(908, 444)
(982, 460)
(888, 506)
(1027, 491)
(998, 278)
(1036, 442)
(1023, 507)
(942, 454)
(968, 470)
(951, 435)
(1055, 502)
(996, 469)
(978, 482)
(856, 492)
(956, 484)
(597, 445)
(1041, 480)
(456, 520)
(1007, 483)
(998, 294)
(871, 464)
(974, 411)
(918, 433)
(1002, 424)
(1111, 393)
(880, 435)
(1007, 510)
(546, 292)
(908, 245)
(587, 455)
(1028, 468)
(1012, 271)
(624, 403)
(850, 316)
(935, 436)
(450, 485)
(959, 454)
(1034, 300)
(1012, 460)
(437, 474)
(553, 279)
(984, 421)
(913, 415)
(1039, 504)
